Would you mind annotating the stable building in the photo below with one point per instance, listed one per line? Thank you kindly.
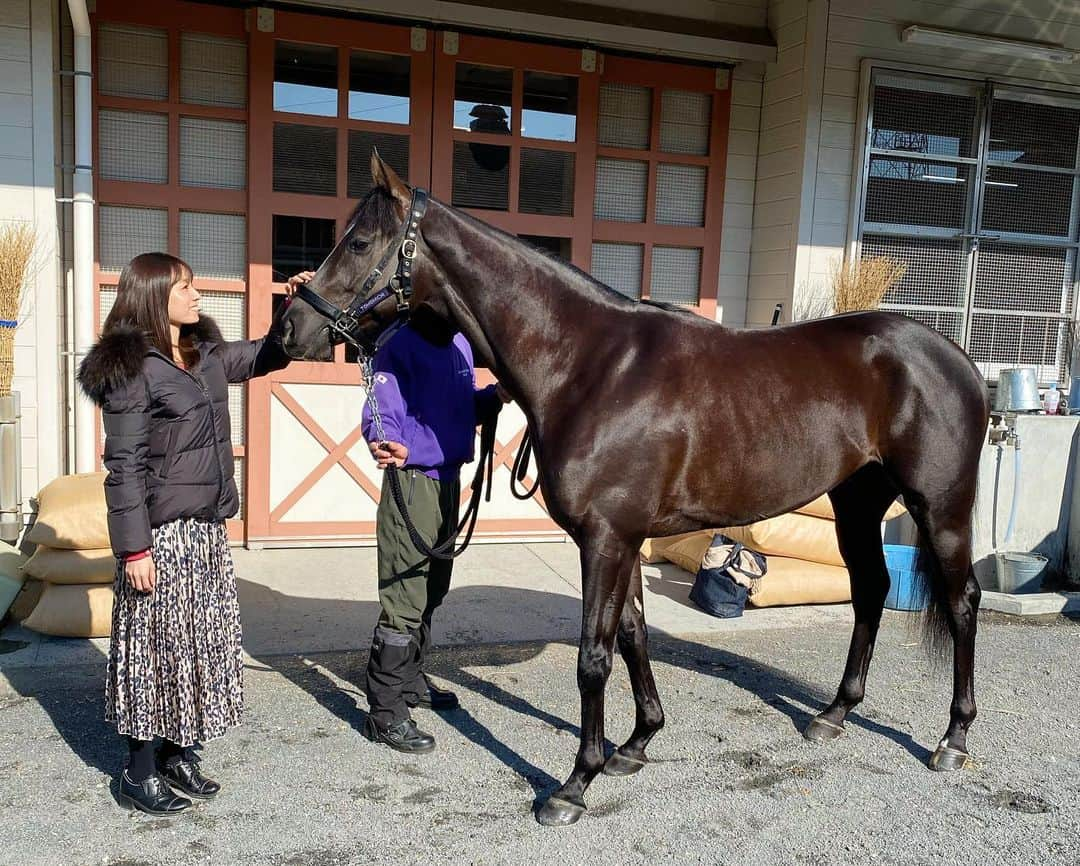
(724, 155)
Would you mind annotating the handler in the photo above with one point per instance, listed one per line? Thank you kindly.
(426, 394)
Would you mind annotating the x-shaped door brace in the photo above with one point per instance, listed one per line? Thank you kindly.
(338, 452)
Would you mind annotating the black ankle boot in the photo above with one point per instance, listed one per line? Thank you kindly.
(152, 796)
(183, 773)
(404, 736)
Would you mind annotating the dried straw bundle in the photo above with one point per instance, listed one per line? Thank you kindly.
(861, 285)
(16, 252)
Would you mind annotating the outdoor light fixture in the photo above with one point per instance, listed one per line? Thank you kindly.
(1043, 51)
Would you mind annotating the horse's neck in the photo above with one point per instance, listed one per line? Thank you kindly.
(538, 319)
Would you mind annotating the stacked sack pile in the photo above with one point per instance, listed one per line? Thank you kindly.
(73, 566)
(803, 555)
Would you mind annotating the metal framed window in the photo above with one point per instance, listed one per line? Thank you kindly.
(976, 186)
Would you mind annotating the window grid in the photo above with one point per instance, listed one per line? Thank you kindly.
(991, 244)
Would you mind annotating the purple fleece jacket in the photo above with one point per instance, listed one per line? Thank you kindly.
(429, 402)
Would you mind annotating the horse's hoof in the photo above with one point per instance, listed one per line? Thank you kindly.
(821, 730)
(946, 758)
(559, 813)
(622, 765)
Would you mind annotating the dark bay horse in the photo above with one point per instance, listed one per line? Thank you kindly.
(650, 422)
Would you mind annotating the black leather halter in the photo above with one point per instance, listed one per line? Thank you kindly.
(345, 323)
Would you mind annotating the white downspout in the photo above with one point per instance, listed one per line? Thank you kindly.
(83, 232)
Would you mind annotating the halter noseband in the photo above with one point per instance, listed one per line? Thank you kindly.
(345, 323)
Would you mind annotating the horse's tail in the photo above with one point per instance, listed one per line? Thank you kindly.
(931, 588)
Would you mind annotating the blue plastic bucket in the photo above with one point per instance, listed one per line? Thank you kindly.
(903, 583)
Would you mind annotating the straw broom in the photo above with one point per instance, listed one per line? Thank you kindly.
(16, 251)
(862, 284)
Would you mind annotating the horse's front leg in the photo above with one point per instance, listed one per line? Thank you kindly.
(606, 564)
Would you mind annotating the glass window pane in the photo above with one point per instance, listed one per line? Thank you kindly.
(482, 98)
(625, 115)
(125, 232)
(560, 248)
(550, 107)
(300, 244)
(547, 182)
(305, 159)
(214, 244)
(378, 87)
(305, 79)
(925, 121)
(133, 61)
(680, 195)
(685, 121)
(935, 276)
(916, 192)
(1023, 278)
(213, 70)
(619, 266)
(133, 145)
(1034, 134)
(1028, 202)
(621, 187)
(481, 176)
(213, 153)
(676, 275)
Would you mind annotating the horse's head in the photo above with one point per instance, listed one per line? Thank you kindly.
(372, 277)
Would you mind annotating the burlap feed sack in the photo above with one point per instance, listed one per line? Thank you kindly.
(794, 581)
(822, 507)
(795, 535)
(26, 600)
(72, 566)
(72, 513)
(652, 551)
(73, 611)
(689, 550)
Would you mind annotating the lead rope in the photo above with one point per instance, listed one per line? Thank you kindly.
(484, 468)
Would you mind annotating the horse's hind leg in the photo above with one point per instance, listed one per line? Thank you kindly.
(955, 595)
(860, 503)
(633, 641)
(606, 562)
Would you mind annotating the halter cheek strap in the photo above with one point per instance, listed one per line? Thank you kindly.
(345, 323)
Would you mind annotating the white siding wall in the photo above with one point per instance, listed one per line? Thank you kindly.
(859, 29)
(739, 185)
(27, 195)
(779, 166)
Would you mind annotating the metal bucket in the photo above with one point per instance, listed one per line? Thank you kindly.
(1020, 572)
(1017, 391)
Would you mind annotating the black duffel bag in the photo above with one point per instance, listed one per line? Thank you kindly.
(720, 587)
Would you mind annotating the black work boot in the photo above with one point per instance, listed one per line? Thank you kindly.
(392, 664)
(421, 692)
(404, 736)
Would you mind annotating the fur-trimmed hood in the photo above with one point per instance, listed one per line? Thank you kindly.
(117, 358)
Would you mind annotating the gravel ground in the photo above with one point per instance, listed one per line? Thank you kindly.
(732, 781)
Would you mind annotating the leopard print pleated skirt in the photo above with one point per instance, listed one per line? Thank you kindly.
(176, 667)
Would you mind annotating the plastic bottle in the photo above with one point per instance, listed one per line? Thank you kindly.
(1051, 399)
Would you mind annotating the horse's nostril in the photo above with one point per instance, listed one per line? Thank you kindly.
(287, 331)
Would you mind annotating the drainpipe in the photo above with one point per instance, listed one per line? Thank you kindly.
(82, 310)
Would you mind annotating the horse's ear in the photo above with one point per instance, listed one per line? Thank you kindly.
(384, 176)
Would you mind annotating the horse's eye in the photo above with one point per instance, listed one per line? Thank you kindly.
(357, 245)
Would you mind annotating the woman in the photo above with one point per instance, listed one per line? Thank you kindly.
(160, 374)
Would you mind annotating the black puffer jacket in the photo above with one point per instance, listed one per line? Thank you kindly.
(168, 444)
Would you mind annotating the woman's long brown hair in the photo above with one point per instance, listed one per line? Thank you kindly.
(142, 300)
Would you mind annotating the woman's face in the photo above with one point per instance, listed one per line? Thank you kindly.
(183, 302)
